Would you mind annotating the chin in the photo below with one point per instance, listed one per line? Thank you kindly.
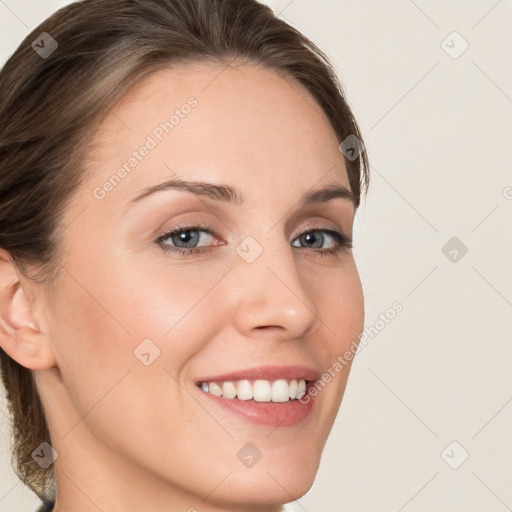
(282, 478)
(264, 489)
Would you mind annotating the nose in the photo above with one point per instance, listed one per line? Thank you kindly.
(272, 298)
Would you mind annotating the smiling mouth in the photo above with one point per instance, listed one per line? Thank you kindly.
(277, 391)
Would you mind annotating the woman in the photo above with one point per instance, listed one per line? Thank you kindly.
(178, 184)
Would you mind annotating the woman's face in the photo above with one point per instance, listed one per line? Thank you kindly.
(141, 321)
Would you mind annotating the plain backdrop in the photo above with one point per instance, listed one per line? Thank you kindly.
(426, 420)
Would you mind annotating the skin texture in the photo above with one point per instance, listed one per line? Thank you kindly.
(136, 437)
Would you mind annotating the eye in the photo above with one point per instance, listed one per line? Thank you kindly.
(186, 240)
(316, 238)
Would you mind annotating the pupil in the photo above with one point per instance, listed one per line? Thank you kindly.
(309, 236)
(186, 237)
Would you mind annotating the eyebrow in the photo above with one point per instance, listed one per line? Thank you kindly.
(222, 192)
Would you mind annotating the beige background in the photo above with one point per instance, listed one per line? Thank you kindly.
(438, 134)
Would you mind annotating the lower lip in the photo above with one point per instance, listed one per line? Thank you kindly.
(275, 414)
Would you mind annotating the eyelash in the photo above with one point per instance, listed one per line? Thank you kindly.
(342, 241)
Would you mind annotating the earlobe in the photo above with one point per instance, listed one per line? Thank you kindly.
(20, 335)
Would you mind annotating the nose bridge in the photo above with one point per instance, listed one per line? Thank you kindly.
(270, 291)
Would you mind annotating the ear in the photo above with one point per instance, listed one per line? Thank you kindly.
(20, 335)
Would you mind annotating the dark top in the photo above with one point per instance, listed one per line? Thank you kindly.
(47, 506)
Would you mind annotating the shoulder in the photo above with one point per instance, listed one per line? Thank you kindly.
(47, 506)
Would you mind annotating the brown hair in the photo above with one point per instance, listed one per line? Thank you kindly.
(50, 103)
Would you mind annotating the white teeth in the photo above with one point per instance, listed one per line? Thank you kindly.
(214, 389)
(228, 390)
(301, 389)
(244, 390)
(281, 390)
(262, 391)
(293, 389)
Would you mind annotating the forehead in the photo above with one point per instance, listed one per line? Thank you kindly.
(226, 122)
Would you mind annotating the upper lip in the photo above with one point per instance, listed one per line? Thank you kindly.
(273, 372)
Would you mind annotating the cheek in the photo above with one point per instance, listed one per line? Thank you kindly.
(120, 306)
(102, 319)
(341, 306)
(173, 305)
(342, 309)
(351, 309)
(141, 411)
